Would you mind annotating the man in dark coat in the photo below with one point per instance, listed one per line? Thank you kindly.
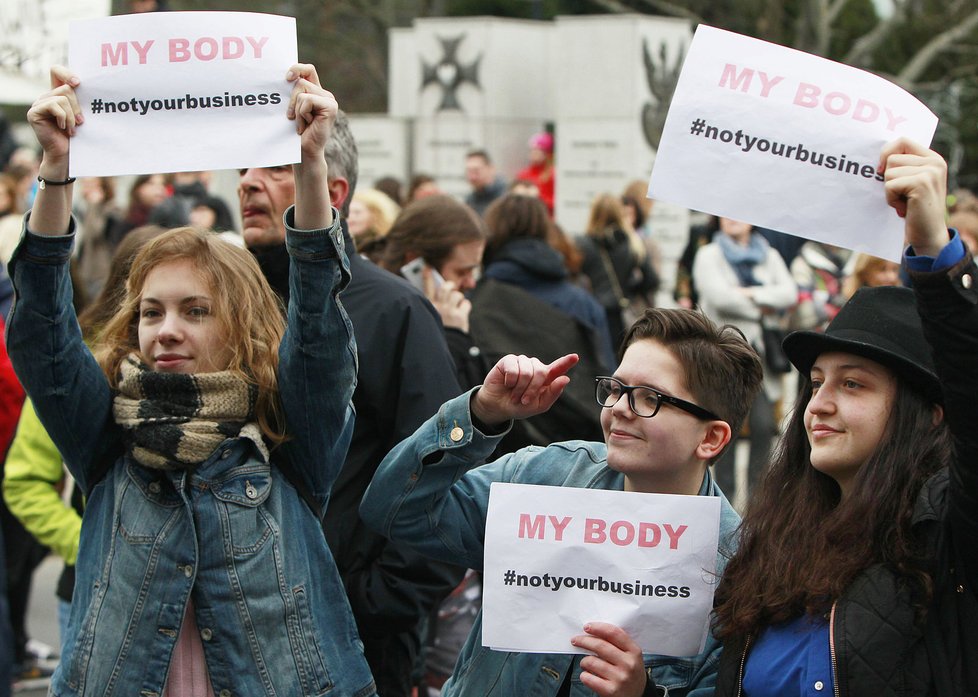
(405, 373)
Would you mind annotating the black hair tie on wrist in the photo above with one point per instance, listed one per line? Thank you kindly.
(53, 182)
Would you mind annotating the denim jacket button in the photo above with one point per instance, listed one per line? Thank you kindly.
(226, 454)
(225, 693)
(206, 634)
(188, 571)
(250, 491)
(154, 487)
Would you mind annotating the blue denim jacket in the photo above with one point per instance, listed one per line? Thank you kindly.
(431, 492)
(234, 534)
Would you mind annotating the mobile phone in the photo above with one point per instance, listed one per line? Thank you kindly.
(413, 272)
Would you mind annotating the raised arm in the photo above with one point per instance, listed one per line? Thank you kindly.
(317, 368)
(314, 111)
(947, 298)
(68, 388)
(54, 117)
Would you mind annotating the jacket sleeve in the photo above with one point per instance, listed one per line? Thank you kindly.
(716, 285)
(780, 291)
(59, 373)
(948, 305)
(317, 357)
(398, 586)
(32, 473)
(430, 492)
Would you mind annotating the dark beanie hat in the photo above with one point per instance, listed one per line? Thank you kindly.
(881, 324)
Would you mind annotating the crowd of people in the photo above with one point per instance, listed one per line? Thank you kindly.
(264, 449)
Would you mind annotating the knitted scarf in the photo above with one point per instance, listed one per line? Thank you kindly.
(743, 259)
(174, 421)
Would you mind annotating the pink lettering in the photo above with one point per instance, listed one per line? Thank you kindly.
(257, 44)
(205, 48)
(594, 531)
(674, 534)
(865, 111)
(179, 50)
(892, 120)
(837, 103)
(622, 540)
(142, 49)
(535, 529)
(559, 526)
(232, 47)
(741, 82)
(644, 530)
(767, 84)
(807, 95)
(117, 55)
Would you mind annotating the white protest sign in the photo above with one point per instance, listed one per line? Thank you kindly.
(182, 91)
(559, 557)
(785, 140)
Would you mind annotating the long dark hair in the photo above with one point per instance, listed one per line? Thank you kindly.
(802, 544)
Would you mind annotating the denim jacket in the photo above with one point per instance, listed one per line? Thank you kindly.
(432, 492)
(233, 534)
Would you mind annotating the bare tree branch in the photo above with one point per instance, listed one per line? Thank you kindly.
(834, 10)
(863, 47)
(917, 65)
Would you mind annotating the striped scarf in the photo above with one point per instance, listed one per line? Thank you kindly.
(174, 421)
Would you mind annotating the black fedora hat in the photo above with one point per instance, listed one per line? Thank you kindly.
(881, 324)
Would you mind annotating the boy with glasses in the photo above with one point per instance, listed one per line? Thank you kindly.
(688, 385)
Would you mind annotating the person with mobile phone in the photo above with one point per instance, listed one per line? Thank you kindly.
(436, 244)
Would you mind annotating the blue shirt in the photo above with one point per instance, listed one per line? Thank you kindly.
(791, 658)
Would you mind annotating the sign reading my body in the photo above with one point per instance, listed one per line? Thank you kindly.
(810, 96)
(599, 531)
(181, 50)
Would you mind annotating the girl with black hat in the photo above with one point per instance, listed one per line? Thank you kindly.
(857, 571)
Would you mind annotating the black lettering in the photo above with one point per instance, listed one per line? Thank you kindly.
(236, 100)
(250, 100)
(276, 98)
(684, 592)
(660, 591)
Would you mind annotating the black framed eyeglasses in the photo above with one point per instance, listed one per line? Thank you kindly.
(644, 401)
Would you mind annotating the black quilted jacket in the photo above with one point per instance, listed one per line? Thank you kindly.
(878, 647)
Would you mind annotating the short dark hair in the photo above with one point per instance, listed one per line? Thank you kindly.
(341, 157)
(480, 154)
(722, 371)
